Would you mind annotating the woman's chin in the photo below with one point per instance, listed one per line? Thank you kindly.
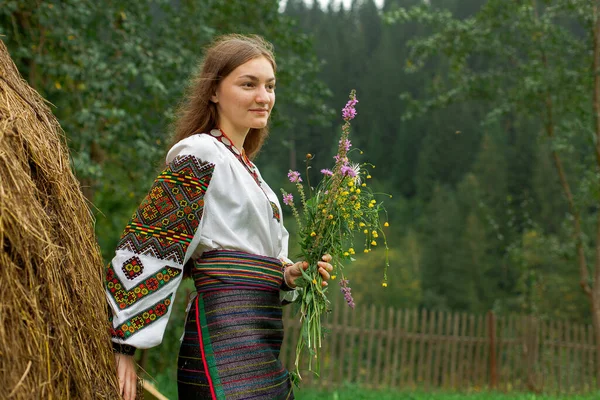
(259, 124)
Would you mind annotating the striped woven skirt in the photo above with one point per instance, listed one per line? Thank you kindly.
(234, 330)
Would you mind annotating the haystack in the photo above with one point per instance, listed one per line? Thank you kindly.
(54, 341)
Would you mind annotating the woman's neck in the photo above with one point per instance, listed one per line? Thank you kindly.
(236, 136)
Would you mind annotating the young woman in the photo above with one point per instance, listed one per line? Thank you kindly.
(209, 215)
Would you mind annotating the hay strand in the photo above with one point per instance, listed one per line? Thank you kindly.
(54, 341)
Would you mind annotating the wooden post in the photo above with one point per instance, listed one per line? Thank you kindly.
(346, 330)
(386, 379)
(492, 337)
(366, 381)
(422, 334)
(397, 334)
(447, 366)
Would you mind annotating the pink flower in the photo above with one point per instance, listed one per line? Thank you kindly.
(346, 291)
(288, 199)
(326, 172)
(348, 171)
(346, 143)
(337, 159)
(294, 176)
(349, 112)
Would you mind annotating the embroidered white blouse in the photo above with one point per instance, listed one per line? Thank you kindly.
(210, 197)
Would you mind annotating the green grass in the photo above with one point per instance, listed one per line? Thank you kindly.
(355, 393)
(168, 386)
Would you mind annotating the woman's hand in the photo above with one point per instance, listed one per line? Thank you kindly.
(291, 273)
(127, 376)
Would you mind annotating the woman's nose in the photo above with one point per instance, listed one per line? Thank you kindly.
(262, 96)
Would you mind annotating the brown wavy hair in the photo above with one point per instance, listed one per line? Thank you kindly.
(197, 113)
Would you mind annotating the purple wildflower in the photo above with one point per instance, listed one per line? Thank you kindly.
(348, 171)
(337, 159)
(346, 143)
(294, 177)
(326, 172)
(346, 291)
(349, 112)
(288, 199)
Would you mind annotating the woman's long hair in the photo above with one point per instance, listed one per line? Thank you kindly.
(197, 113)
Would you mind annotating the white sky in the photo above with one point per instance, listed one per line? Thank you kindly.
(324, 3)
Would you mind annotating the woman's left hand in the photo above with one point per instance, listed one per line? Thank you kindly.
(293, 272)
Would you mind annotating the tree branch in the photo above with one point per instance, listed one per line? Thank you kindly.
(584, 276)
(596, 105)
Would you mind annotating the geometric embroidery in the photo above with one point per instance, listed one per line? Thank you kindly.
(127, 297)
(132, 268)
(275, 211)
(164, 224)
(142, 320)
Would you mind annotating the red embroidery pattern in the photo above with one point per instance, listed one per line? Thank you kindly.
(142, 320)
(165, 223)
(132, 268)
(127, 297)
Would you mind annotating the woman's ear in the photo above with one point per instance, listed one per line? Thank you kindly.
(214, 98)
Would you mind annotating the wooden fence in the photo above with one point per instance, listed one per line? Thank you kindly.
(398, 348)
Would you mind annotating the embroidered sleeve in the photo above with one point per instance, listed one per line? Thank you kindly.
(142, 278)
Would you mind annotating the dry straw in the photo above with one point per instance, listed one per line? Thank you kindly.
(54, 341)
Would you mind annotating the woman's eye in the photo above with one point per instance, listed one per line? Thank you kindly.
(248, 84)
(271, 87)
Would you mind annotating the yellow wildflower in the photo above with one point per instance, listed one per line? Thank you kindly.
(361, 224)
(366, 231)
(374, 232)
(369, 176)
(313, 234)
(330, 216)
(351, 250)
(315, 281)
(357, 191)
(374, 243)
(352, 190)
(324, 211)
(308, 156)
(371, 205)
(351, 183)
(346, 254)
(375, 235)
(384, 284)
(386, 224)
(366, 250)
(364, 185)
(345, 193)
(333, 277)
(373, 201)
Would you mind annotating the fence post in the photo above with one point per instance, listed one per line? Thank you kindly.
(492, 337)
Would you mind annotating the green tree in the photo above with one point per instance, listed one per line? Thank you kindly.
(538, 60)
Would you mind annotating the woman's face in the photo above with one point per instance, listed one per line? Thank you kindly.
(245, 98)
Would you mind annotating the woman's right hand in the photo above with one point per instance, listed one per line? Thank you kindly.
(127, 376)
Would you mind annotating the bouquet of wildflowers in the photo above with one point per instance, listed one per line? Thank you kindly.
(341, 208)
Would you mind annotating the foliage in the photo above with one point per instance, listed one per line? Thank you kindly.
(116, 70)
(528, 64)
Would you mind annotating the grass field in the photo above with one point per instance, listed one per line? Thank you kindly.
(168, 387)
(365, 394)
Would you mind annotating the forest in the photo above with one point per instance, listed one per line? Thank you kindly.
(481, 118)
